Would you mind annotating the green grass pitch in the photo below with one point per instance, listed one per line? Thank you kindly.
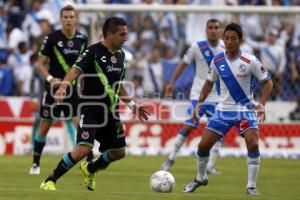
(128, 179)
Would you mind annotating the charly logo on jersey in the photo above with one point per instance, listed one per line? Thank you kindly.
(70, 43)
(103, 59)
(222, 67)
(207, 53)
(60, 44)
(113, 60)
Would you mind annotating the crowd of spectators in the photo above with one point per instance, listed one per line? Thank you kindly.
(155, 44)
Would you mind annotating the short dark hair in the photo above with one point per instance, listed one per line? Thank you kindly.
(67, 8)
(213, 20)
(111, 25)
(234, 27)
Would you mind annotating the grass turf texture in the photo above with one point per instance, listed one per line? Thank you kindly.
(128, 179)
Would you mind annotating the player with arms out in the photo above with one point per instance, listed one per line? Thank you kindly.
(236, 70)
(201, 52)
(102, 67)
(59, 51)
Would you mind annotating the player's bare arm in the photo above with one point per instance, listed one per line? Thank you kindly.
(206, 89)
(260, 107)
(43, 61)
(69, 78)
(176, 74)
(140, 110)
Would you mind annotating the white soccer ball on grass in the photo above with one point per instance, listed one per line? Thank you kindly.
(162, 181)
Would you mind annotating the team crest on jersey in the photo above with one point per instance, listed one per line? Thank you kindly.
(113, 59)
(85, 135)
(70, 43)
(45, 113)
(242, 68)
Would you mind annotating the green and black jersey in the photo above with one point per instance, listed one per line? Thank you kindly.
(103, 71)
(62, 51)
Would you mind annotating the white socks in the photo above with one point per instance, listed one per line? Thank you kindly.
(179, 141)
(201, 168)
(253, 168)
(214, 154)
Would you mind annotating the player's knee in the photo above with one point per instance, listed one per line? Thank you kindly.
(202, 153)
(80, 152)
(117, 155)
(253, 146)
(203, 147)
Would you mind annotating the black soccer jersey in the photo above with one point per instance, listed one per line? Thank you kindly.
(103, 70)
(62, 51)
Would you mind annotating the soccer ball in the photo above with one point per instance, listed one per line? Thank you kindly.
(162, 181)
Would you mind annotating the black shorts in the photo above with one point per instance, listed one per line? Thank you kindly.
(95, 124)
(51, 111)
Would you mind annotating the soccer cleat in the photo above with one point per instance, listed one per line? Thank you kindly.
(192, 186)
(252, 191)
(89, 177)
(167, 164)
(35, 169)
(213, 171)
(49, 185)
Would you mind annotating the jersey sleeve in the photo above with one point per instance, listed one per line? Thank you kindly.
(212, 74)
(189, 56)
(46, 47)
(259, 71)
(85, 61)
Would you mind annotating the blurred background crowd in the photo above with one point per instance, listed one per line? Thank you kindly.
(156, 43)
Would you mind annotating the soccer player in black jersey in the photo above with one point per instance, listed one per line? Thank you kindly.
(59, 52)
(102, 66)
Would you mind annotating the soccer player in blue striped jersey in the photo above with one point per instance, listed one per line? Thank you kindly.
(201, 54)
(236, 70)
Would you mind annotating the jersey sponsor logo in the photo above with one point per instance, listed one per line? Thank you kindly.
(111, 68)
(79, 36)
(85, 135)
(103, 59)
(113, 59)
(70, 43)
(70, 51)
(60, 44)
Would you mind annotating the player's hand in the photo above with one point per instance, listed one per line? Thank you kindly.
(169, 88)
(260, 110)
(195, 113)
(55, 82)
(60, 95)
(142, 111)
